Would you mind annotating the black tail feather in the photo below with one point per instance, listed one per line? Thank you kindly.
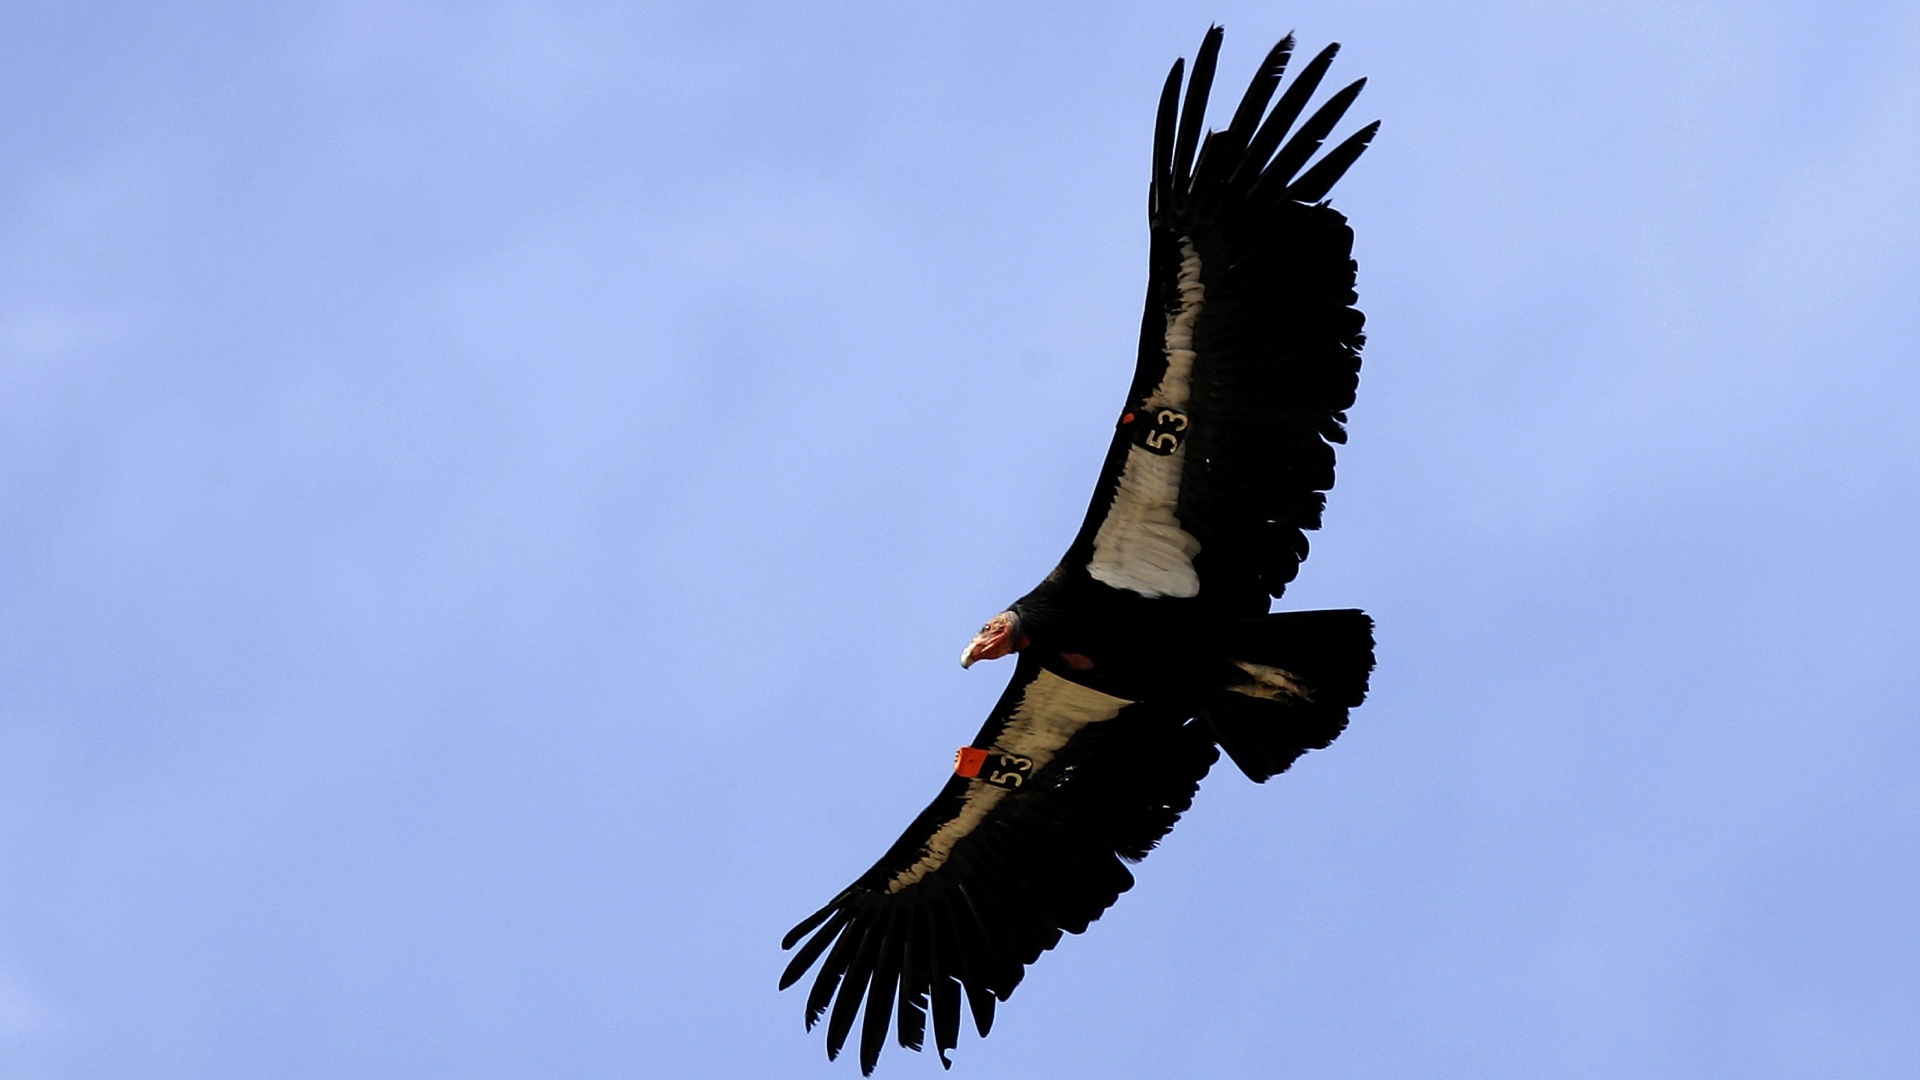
(1327, 654)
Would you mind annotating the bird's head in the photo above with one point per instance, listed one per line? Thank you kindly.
(1001, 635)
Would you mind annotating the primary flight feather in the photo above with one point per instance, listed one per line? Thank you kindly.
(1149, 649)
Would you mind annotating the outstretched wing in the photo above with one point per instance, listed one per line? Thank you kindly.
(1249, 348)
(1074, 783)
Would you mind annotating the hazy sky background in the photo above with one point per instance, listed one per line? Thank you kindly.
(491, 496)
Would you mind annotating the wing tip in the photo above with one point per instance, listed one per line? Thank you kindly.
(1314, 184)
(807, 925)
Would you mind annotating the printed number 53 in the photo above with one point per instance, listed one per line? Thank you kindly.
(1165, 436)
(1012, 772)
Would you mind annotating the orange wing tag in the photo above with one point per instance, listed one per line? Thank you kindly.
(967, 761)
(1007, 770)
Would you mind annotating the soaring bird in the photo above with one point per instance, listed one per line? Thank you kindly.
(1149, 649)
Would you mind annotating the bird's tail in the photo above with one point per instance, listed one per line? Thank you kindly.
(1294, 677)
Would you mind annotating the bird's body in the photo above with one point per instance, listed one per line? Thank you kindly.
(1149, 648)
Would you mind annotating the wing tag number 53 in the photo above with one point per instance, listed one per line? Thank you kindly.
(992, 766)
(1163, 432)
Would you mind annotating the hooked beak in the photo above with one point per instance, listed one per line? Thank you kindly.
(995, 640)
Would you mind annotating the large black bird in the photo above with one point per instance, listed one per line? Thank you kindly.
(1149, 648)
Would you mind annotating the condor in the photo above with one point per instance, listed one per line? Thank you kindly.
(1149, 649)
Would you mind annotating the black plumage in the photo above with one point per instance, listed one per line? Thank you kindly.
(1149, 650)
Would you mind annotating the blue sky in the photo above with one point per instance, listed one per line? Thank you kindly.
(491, 495)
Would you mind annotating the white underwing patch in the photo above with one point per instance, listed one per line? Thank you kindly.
(1269, 682)
(1051, 711)
(1141, 545)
